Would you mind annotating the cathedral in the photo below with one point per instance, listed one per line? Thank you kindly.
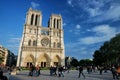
(43, 46)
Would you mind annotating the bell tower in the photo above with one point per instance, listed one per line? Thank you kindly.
(56, 34)
(34, 18)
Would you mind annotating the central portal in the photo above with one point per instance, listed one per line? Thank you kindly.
(44, 60)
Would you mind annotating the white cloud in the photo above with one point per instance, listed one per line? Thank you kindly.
(64, 24)
(88, 30)
(111, 14)
(13, 40)
(70, 3)
(76, 30)
(94, 12)
(98, 10)
(34, 5)
(102, 33)
(78, 26)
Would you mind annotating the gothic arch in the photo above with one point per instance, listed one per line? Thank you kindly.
(32, 17)
(44, 60)
(56, 60)
(34, 42)
(54, 44)
(57, 23)
(29, 43)
(36, 20)
(54, 22)
(29, 60)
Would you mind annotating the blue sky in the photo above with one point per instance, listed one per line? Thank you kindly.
(87, 23)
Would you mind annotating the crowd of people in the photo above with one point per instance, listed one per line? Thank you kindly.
(59, 71)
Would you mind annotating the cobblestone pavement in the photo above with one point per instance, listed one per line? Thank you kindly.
(73, 75)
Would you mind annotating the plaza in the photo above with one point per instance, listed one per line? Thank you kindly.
(73, 75)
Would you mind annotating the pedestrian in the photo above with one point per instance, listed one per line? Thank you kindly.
(54, 70)
(2, 77)
(88, 69)
(32, 68)
(51, 71)
(100, 70)
(114, 72)
(80, 69)
(37, 70)
(60, 71)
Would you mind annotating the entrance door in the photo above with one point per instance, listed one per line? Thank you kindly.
(29, 64)
(43, 64)
(56, 63)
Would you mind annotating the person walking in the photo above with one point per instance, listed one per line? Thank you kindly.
(2, 77)
(80, 69)
(100, 70)
(51, 71)
(60, 71)
(114, 72)
(37, 70)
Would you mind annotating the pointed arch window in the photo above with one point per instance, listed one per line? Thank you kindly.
(58, 24)
(58, 45)
(54, 44)
(34, 43)
(54, 22)
(36, 20)
(29, 43)
(32, 17)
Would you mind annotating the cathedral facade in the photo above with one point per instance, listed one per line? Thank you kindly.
(43, 46)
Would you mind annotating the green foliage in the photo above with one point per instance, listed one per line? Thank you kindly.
(45, 68)
(74, 62)
(109, 52)
(85, 62)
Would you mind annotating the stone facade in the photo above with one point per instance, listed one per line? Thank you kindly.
(43, 46)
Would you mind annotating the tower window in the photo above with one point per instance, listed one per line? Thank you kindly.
(32, 17)
(36, 20)
(34, 43)
(54, 44)
(29, 43)
(57, 24)
(58, 45)
(54, 22)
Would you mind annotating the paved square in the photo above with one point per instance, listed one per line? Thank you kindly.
(73, 75)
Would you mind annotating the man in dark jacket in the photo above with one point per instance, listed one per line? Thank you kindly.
(2, 77)
(81, 72)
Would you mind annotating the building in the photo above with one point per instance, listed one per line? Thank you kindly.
(43, 46)
(8, 57)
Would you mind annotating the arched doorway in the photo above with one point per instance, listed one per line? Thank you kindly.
(29, 60)
(44, 60)
(56, 60)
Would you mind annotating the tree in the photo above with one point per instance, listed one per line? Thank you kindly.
(98, 58)
(85, 62)
(74, 62)
(109, 52)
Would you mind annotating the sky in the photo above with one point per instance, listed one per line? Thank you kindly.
(87, 24)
